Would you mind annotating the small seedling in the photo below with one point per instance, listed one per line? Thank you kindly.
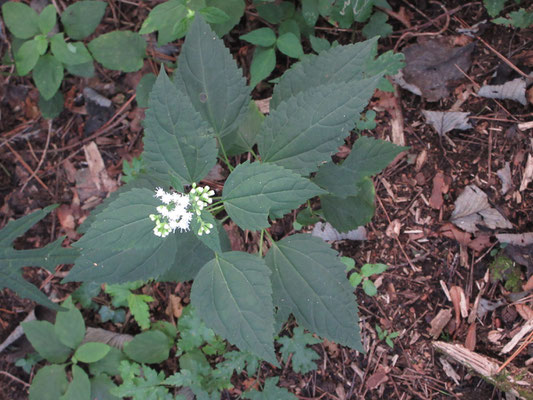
(383, 334)
(363, 276)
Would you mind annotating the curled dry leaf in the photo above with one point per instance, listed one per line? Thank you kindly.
(472, 209)
(113, 339)
(445, 121)
(460, 304)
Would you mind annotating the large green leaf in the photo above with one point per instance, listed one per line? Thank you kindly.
(69, 53)
(350, 212)
(80, 386)
(124, 224)
(233, 295)
(163, 18)
(307, 129)
(120, 245)
(148, 347)
(176, 137)
(49, 383)
(48, 75)
(44, 340)
(81, 18)
(368, 157)
(191, 256)
(119, 266)
(11, 261)
(234, 9)
(338, 65)
(47, 19)
(70, 326)
(243, 139)
(209, 75)
(254, 191)
(308, 280)
(119, 50)
(26, 57)
(20, 19)
(263, 64)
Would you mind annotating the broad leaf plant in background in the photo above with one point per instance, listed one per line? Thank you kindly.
(164, 224)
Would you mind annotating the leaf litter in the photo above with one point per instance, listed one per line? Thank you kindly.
(433, 66)
(472, 211)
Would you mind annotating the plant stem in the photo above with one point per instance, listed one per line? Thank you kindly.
(261, 243)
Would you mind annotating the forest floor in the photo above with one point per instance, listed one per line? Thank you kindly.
(411, 232)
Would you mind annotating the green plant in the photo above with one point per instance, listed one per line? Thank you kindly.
(122, 296)
(131, 171)
(64, 344)
(11, 260)
(175, 236)
(270, 392)
(503, 269)
(173, 18)
(367, 271)
(293, 23)
(303, 357)
(388, 336)
(37, 49)
(521, 18)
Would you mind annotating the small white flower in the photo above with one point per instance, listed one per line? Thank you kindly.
(159, 192)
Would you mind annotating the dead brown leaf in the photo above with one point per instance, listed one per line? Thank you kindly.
(525, 311)
(441, 185)
(528, 285)
(377, 379)
(456, 294)
(439, 322)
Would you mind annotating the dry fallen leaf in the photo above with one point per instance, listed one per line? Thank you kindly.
(327, 232)
(517, 239)
(512, 90)
(505, 176)
(524, 311)
(377, 379)
(445, 121)
(456, 293)
(472, 209)
(528, 174)
(439, 322)
(433, 65)
(440, 186)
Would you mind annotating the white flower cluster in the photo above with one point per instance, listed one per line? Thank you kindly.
(173, 214)
(200, 197)
(178, 209)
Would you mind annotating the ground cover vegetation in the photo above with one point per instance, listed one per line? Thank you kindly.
(243, 256)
